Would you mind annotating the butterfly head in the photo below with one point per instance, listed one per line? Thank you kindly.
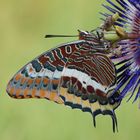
(83, 34)
(93, 36)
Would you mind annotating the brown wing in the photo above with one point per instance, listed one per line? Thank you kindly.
(87, 81)
(40, 77)
(71, 74)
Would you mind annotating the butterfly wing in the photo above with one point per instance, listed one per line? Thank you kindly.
(72, 74)
(87, 81)
(40, 78)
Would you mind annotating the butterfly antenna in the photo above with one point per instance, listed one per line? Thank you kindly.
(51, 36)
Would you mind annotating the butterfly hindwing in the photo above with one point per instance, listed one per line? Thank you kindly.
(86, 81)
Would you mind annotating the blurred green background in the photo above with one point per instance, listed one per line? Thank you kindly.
(23, 24)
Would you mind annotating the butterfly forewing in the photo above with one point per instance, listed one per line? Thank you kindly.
(40, 78)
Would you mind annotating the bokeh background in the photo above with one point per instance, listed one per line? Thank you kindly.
(23, 25)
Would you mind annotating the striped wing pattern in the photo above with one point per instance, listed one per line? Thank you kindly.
(73, 74)
(87, 82)
(41, 76)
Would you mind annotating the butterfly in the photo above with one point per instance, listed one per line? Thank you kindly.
(77, 74)
(83, 74)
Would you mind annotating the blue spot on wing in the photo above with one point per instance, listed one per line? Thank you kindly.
(36, 65)
(49, 66)
(59, 68)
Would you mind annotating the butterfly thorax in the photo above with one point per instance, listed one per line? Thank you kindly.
(95, 39)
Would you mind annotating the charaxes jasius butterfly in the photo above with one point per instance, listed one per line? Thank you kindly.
(80, 74)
